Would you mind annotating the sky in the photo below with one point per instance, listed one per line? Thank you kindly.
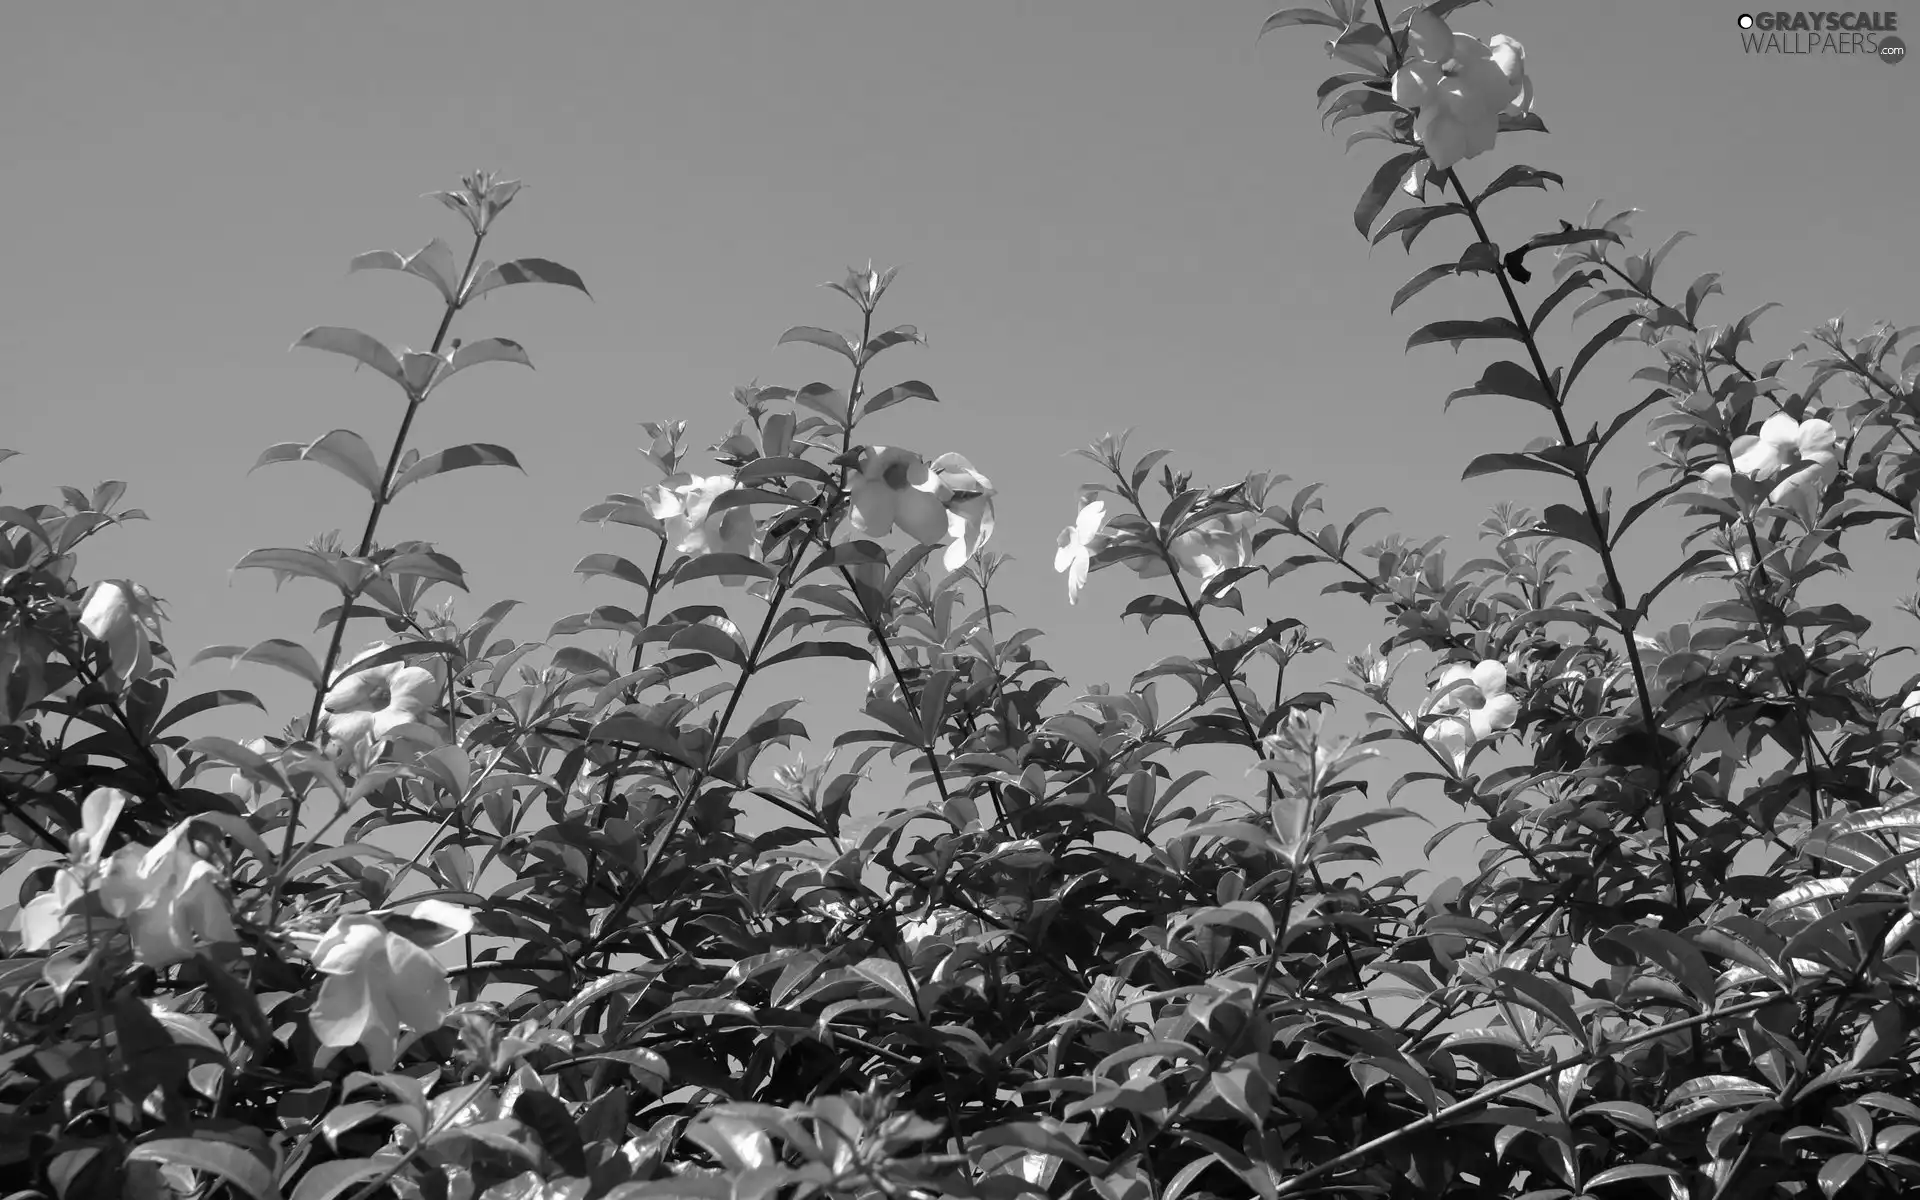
(1107, 214)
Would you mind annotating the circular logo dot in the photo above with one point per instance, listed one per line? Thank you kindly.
(1746, 20)
(1892, 49)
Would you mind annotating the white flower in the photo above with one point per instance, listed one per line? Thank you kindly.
(366, 705)
(1459, 87)
(969, 508)
(169, 897)
(1477, 709)
(1780, 442)
(947, 498)
(376, 982)
(896, 487)
(123, 615)
(44, 918)
(1910, 707)
(683, 504)
(1075, 555)
(1214, 545)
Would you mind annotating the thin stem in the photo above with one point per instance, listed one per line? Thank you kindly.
(380, 501)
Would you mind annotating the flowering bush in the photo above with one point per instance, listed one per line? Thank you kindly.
(506, 920)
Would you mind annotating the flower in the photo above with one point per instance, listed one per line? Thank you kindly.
(169, 897)
(44, 918)
(367, 705)
(376, 982)
(1782, 440)
(124, 616)
(969, 508)
(1214, 545)
(896, 487)
(1075, 555)
(1459, 87)
(684, 503)
(1477, 709)
(930, 501)
(1910, 707)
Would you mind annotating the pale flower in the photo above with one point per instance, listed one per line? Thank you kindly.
(376, 982)
(1780, 442)
(692, 525)
(365, 706)
(1459, 87)
(896, 487)
(1075, 555)
(1910, 707)
(1214, 545)
(969, 508)
(123, 615)
(44, 918)
(169, 898)
(1478, 709)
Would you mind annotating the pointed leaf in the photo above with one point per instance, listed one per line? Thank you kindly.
(1456, 332)
(361, 347)
(473, 454)
(1507, 378)
(205, 702)
(825, 338)
(232, 1163)
(526, 270)
(484, 351)
(1381, 189)
(343, 450)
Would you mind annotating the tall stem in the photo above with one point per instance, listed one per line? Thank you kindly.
(380, 501)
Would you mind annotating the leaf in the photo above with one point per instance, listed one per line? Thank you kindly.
(433, 262)
(1572, 524)
(1456, 332)
(1297, 16)
(1518, 175)
(707, 566)
(230, 1162)
(1381, 189)
(1629, 1170)
(1420, 282)
(1577, 281)
(549, 1119)
(1409, 222)
(825, 399)
(912, 389)
(205, 702)
(274, 652)
(710, 640)
(1569, 237)
(1595, 345)
(824, 338)
(1492, 464)
(453, 458)
(288, 563)
(1031, 1135)
(361, 347)
(1837, 1171)
(526, 270)
(342, 449)
(1543, 996)
(1507, 378)
(859, 654)
(486, 350)
(330, 1179)
(615, 566)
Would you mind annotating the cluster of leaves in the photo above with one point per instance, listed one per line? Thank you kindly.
(1683, 966)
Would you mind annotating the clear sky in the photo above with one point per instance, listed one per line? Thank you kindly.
(1109, 213)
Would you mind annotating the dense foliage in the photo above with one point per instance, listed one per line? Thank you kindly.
(512, 920)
